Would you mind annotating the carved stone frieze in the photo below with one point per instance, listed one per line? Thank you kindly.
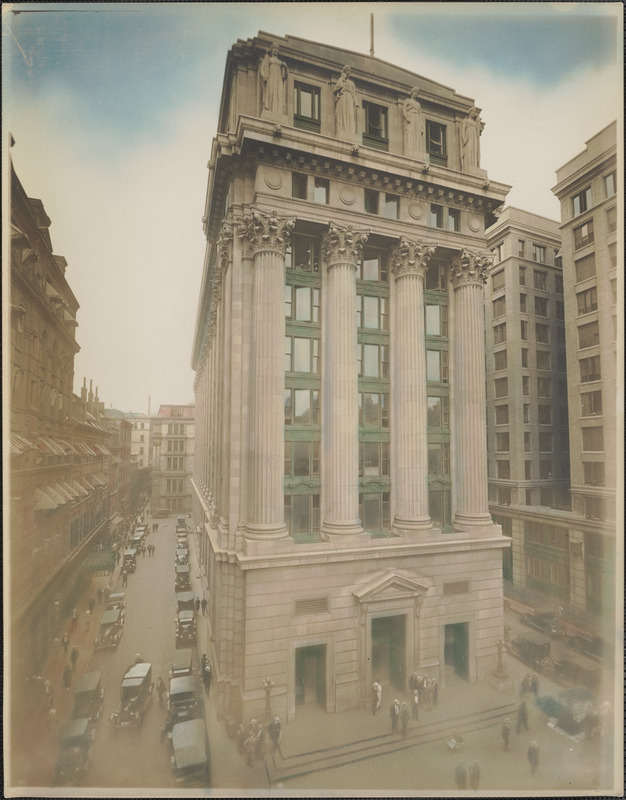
(471, 267)
(343, 245)
(265, 232)
(410, 257)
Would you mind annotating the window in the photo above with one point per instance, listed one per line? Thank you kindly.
(371, 201)
(611, 219)
(373, 266)
(436, 320)
(545, 470)
(558, 284)
(302, 515)
(141, 438)
(543, 359)
(436, 142)
(541, 306)
(302, 459)
(525, 385)
(436, 216)
(526, 414)
(497, 251)
(306, 106)
(525, 357)
(373, 361)
(436, 276)
(501, 387)
(527, 442)
(499, 306)
(540, 279)
(391, 207)
(374, 511)
(583, 234)
(522, 302)
(298, 185)
(585, 268)
(545, 415)
(499, 360)
(588, 335)
(321, 190)
(373, 459)
(521, 247)
(502, 442)
(499, 333)
(524, 329)
(375, 128)
(593, 473)
(502, 415)
(304, 254)
(587, 300)
(591, 404)
(544, 388)
(539, 255)
(497, 280)
(593, 439)
(437, 366)
(373, 410)
(302, 407)
(609, 184)
(372, 312)
(613, 255)
(438, 412)
(560, 310)
(545, 442)
(590, 369)
(527, 470)
(582, 202)
(522, 276)
(302, 303)
(613, 285)
(542, 333)
(438, 458)
(301, 355)
(454, 219)
(503, 469)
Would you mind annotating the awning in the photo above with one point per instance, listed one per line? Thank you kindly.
(52, 293)
(101, 449)
(77, 485)
(100, 561)
(69, 489)
(43, 501)
(20, 445)
(69, 449)
(67, 317)
(117, 520)
(87, 484)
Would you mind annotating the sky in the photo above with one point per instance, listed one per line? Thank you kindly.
(113, 108)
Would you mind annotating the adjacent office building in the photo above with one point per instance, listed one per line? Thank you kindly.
(172, 438)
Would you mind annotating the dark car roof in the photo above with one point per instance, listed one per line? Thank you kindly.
(182, 658)
(184, 683)
(130, 551)
(182, 568)
(117, 597)
(87, 682)
(74, 728)
(137, 671)
(185, 616)
(110, 617)
(185, 597)
(189, 743)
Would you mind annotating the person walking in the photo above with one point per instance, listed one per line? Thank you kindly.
(74, 657)
(275, 735)
(92, 604)
(415, 704)
(249, 747)
(533, 755)
(506, 732)
(394, 713)
(404, 717)
(197, 604)
(65, 643)
(204, 605)
(124, 578)
(460, 776)
(67, 677)
(534, 684)
(522, 717)
(474, 774)
(74, 618)
(87, 619)
(107, 592)
(376, 697)
(206, 677)
(161, 689)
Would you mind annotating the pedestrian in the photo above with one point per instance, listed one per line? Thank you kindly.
(92, 604)
(525, 687)
(460, 776)
(74, 657)
(413, 682)
(376, 697)
(74, 618)
(157, 526)
(169, 724)
(87, 619)
(100, 595)
(404, 717)
(506, 732)
(276, 736)
(65, 643)
(197, 604)
(415, 703)
(249, 747)
(259, 750)
(124, 578)
(52, 719)
(435, 692)
(67, 678)
(534, 684)
(394, 713)
(107, 591)
(533, 755)
(522, 717)
(474, 774)
(206, 677)
(204, 605)
(161, 688)
(48, 694)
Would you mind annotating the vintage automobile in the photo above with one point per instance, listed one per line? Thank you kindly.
(593, 646)
(190, 754)
(88, 697)
(136, 542)
(530, 649)
(183, 700)
(182, 556)
(185, 601)
(135, 696)
(185, 626)
(548, 622)
(110, 630)
(182, 543)
(130, 560)
(572, 712)
(117, 600)
(183, 582)
(160, 513)
(76, 740)
(181, 522)
(182, 663)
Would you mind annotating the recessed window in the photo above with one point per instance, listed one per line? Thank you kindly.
(583, 234)
(373, 361)
(593, 473)
(502, 415)
(454, 219)
(499, 306)
(543, 359)
(437, 366)
(522, 276)
(539, 253)
(436, 142)
(591, 404)
(373, 459)
(525, 357)
(611, 219)
(373, 410)
(588, 335)
(497, 280)
(501, 387)
(436, 216)
(303, 254)
(526, 418)
(587, 300)
(540, 279)
(438, 412)
(609, 184)
(585, 267)
(542, 333)
(558, 284)
(544, 387)
(582, 201)
(545, 415)
(373, 266)
(502, 442)
(373, 312)
(298, 185)
(522, 302)
(499, 360)
(306, 106)
(321, 190)
(375, 132)
(521, 247)
(525, 385)
(371, 201)
(499, 333)
(436, 320)
(436, 276)
(593, 439)
(301, 354)
(391, 207)
(541, 306)
(524, 329)
(302, 407)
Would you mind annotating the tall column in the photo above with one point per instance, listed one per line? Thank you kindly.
(268, 237)
(342, 248)
(469, 273)
(408, 263)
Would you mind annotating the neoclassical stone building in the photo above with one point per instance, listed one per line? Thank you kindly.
(341, 464)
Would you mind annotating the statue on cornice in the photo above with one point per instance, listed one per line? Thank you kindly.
(471, 128)
(413, 125)
(273, 81)
(346, 104)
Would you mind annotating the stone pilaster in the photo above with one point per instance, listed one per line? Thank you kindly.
(408, 263)
(268, 237)
(342, 248)
(469, 273)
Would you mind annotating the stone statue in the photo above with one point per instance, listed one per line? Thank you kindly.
(413, 125)
(273, 81)
(346, 103)
(471, 128)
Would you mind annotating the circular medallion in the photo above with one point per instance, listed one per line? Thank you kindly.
(273, 179)
(347, 195)
(474, 223)
(416, 210)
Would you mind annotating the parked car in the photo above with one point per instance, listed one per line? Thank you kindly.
(572, 712)
(530, 649)
(88, 697)
(182, 556)
(117, 600)
(182, 663)
(185, 601)
(136, 542)
(111, 629)
(183, 700)
(548, 622)
(185, 626)
(160, 513)
(135, 696)
(593, 646)
(182, 581)
(181, 521)
(190, 754)
(76, 741)
(130, 560)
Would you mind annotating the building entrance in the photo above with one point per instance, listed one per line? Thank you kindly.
(456, 648)
(388, 650)
(311, 675)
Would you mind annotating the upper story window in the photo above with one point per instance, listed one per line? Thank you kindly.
(391, 206)
(321, 191)
(539, 253)
(611, 219)
(581, 202)
(521, 247)
(540, 279)
(375, 131)
(436, 319)
(558, 284)
(497, 251)
(372, 312)
(499, 306)
(497, 280)
(371, 201)
(306, 106)
(436, 142)
(302, 303)
(609, 184)
(303, 254)
(522, 276)
(436, 276)
(585, 267)
(372, 267)
(583, 234)
(299, 186)
(436, 216)
(454, 220)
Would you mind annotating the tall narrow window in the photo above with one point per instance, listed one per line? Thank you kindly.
(371, 201)
(306, 107)
(436, 142)
(454, 220)
(436, 216)
(582, 201)
(321, 191)
(391, 207)
(298, 185)
(375, 133)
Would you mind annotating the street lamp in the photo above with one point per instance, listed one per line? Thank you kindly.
(268, 683)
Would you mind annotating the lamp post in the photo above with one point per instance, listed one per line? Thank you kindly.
(268, 683)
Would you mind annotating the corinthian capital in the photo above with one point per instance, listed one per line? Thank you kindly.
(410, 258)
(343, 245)
(265, 231)
(471, 268)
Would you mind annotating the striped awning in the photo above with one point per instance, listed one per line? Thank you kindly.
(44, 502)
(52, 293)
(20, 445)
(78, 487)
(69, 449)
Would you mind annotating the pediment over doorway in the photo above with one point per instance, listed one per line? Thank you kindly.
(390, 587)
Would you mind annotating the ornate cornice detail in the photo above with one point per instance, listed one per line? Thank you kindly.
(410, 258)
(471, 268)
(343, 245)
(265, 231)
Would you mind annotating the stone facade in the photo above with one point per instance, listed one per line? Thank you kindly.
(172, 441)
(340, 479)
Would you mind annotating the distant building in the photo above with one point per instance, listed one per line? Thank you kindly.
(341, 474)
(140, 441)
(173, 440)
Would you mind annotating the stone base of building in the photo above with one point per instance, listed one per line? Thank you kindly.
(501, 682)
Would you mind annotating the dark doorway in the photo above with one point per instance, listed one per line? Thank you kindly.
(311, 675)
(388, 650)
(456, 647)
